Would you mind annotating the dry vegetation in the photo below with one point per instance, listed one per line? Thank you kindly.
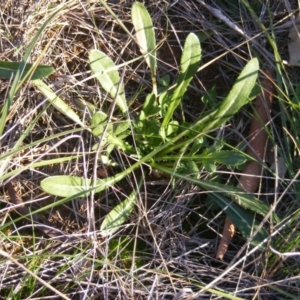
(169, 243)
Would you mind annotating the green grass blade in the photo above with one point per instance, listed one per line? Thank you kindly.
(116, 18)
(9, 69)
(145, 37)
(241, 210)
(190, 60)
(18, 148)
(19, 78)
(118, 215)
(247, 201)
(109, 80)
(57, 102)
(243, 219)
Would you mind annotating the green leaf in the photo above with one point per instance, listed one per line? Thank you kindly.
(189, 64)
(237, 97)
(107, 74)
(57, 102)
(247, 201)
(188, 167)
(118, 141)
(209, 98)
(145, 37)
(150, 107)
(98, 123)
(165, 80)
(250, 202)
(107, 161)
(69, 186)
(209, 166)
(172, 127)
(118, 215)
(163, 100)
(9, 69)
(66, 186)
(229, 158)
(244, 220)
(190, 57)
(197, 145)
(240, 197)
(223, 196)
(122, 128)
(113, 136)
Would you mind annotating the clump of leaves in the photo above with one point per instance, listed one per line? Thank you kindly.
(160, 140)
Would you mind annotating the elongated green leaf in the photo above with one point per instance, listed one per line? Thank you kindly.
(57, 102)
(223, 196)
(229, 158)
(247, 201)
(250, 202)
(65, 186)
(244, 220)
(190, 60)
(118, 141)
(238, 96)
(9, 69)
(118, 215)
(68, 186)
(107, 74)
(145, 37)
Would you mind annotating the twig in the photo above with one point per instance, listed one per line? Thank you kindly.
(250, 179)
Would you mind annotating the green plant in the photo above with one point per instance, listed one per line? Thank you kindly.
(159, 139)
(80, 127)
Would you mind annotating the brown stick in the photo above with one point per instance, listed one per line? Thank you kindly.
(250, 179)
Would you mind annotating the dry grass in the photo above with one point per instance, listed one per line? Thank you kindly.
(170, 241)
